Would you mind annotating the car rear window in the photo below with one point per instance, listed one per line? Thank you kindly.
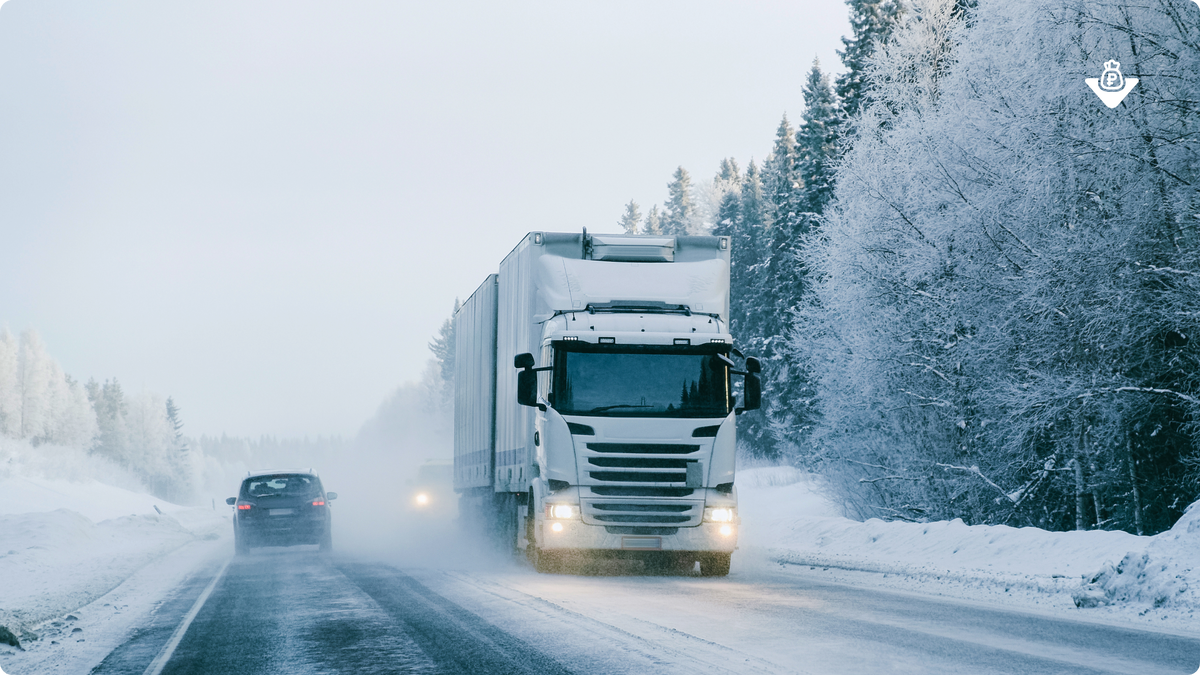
(281, 485)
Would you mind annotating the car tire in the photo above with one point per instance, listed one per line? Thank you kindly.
(715, 564)
(240, 545)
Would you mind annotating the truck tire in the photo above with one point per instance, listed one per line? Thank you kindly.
(545, 562)
(715, 564)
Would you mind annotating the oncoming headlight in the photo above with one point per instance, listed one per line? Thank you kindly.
(718, 515)
(560, 511)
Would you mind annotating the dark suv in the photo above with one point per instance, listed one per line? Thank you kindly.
(281, 508)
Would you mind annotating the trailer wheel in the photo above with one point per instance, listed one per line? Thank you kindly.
(715, 564)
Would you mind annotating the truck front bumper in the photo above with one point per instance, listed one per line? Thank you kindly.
(577, 535)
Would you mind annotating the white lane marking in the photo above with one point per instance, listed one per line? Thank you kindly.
(156, 666)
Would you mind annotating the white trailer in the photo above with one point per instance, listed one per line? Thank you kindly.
(595, 402)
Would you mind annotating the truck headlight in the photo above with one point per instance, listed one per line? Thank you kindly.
(560, 511)
(718, 515)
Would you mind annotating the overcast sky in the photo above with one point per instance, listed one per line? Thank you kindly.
(266, 209)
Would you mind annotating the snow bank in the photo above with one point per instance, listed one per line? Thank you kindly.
(1163, 574)
(785, 515)
(64, 543)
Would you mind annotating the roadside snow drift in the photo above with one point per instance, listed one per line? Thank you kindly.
(65, 544)
(785, 515)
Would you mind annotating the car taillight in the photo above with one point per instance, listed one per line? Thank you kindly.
(243, 507)
(318, 503)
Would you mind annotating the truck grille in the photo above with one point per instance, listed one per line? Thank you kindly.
(643, 448)
(659, 464)
(642, 513)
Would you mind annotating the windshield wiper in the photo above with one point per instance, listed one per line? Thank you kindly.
(270, 494)
(623, 405)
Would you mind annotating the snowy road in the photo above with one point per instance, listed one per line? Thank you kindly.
(289, 611)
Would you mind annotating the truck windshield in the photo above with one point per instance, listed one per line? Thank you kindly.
(640, 381)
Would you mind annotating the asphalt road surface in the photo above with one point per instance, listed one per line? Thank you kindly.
(285, 611)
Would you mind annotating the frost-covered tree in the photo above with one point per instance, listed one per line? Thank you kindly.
(10, 399)
(654, 221)
(680, 212)
(152, 448)
(872, 22)
(1007, 281)
(631, 218)
(35, 372)
(817, 140)
(710, 196)
(111, 408)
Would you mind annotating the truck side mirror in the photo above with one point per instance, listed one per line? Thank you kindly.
(526, 379)
(753, 393)
(527, 387)
(753, 366)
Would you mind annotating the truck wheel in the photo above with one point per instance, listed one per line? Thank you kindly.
(545, 562)
(715, 564)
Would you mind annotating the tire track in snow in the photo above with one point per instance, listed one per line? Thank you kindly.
(738, 661)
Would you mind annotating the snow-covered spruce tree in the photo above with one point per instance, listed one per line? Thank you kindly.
(680, 212)
(631, 218)
(711, 196)
(654, 224)
(778, 286)
(817, 140)
(793, 406)
(1008, 278)
(442, 347)
(748, 234)
(872, 22)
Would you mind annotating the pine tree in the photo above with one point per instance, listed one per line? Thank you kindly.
(443, 347)
(176, 423)
(816, 140)
(749, 232)
(631, 218)
(654, 221)
(872, 22)
(680, 211)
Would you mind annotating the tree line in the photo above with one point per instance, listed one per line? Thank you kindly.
(975, 288)
(142, 434)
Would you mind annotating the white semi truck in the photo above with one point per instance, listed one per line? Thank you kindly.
(596, 393)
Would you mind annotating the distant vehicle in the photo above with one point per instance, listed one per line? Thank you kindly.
(281, 508)
(433, 490)
(595, 403)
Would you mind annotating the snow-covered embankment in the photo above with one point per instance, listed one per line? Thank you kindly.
(1114, 575)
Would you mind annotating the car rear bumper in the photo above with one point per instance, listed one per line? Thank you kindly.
(282, 532)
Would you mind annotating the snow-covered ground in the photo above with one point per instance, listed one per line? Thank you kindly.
(1115, 576)
(89, 556)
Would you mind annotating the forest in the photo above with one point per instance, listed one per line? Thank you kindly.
(974, 286)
